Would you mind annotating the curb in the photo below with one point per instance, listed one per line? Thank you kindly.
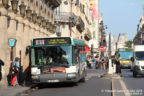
(112, 88)
(112, 77)
(106, 75)
(24, 91)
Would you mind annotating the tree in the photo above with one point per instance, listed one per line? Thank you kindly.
(128, 44)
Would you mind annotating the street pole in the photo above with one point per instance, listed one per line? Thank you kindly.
(70, 26)
(110, 71)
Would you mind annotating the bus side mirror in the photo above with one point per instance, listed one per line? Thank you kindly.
(132, 59)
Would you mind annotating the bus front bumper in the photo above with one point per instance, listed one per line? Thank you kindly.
(126, 65)
(54, 78)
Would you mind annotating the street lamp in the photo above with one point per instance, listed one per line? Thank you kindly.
(5, 3)
(54, 28)
(51, 27)
(48, 25)
(34, 17)
(28, 13)
(22, 8)
(14, 4)
(44, 23)
(39, 19)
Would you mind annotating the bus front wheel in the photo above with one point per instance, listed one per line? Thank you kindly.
(83, 78)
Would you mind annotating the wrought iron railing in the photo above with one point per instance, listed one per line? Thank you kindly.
(66, 17)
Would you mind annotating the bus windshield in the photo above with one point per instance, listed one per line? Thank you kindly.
(52, 56)
(139, 55)
(125, 55)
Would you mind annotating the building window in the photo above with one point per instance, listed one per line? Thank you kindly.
(16, 24)
(31, 1)
(48, 13)
(77, 2)
(41, 7)
(58, 11)
(36, 3)
(8, 21)
(63, 25)
(45, 10)
(58, 33)
(58, 28)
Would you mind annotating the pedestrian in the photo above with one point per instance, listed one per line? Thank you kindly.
(87, 61)
(107, 62)
(118, 69)
(90, 62)
(15, 72)
(93, 62)
(97, 62)
(1, 64)
(114, 63)
(103, 62)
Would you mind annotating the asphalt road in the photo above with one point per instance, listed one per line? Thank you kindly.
(94, 86)
(134, 85)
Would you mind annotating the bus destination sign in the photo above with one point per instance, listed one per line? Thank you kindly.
(51, 41)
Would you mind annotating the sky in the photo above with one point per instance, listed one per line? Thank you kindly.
(121, 16)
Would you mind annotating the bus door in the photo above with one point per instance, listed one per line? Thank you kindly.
(76, 58)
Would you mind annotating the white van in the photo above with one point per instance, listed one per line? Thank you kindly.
(138, 60)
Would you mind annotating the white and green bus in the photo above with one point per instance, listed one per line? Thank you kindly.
(59, 59)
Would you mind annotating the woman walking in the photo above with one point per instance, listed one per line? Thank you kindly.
(15, 71)
(118, 69)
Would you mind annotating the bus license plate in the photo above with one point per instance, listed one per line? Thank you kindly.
(53, 81)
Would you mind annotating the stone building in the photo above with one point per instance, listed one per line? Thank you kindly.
(73, 19)
(139, 36)
(23, 20)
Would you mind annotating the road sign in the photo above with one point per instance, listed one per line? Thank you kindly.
(101, 48)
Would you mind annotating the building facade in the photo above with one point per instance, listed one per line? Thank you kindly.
(139, 36)
(23, 20)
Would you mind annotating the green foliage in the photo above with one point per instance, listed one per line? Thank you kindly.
(128, 44)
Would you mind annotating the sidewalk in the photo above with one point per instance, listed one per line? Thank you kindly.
(12, 91)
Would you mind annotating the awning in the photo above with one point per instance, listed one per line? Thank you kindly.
(87, 48)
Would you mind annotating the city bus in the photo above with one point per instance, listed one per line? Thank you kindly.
(125, 55)
(59, 59)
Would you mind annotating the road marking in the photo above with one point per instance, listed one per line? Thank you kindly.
(125, 90)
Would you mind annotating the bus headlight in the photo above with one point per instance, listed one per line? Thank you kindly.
(137, 63)
(71, 75)
(35, 71)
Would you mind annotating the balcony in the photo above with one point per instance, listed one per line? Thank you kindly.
(66, 17)
(80, 25)
(53, 3)
(88, 35)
